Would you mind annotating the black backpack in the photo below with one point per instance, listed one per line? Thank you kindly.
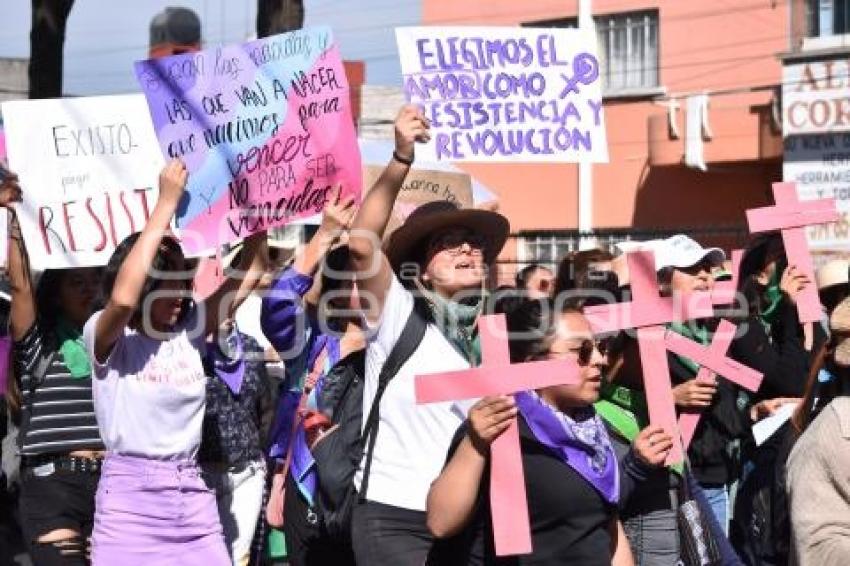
(338, 453)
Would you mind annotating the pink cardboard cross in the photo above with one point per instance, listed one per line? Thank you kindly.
(724, 292)
(712, 359)
(648, 312)
(792, 216)
(497, 376)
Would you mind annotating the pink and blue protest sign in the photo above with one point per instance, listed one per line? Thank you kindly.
(265, 129)
(507, 94)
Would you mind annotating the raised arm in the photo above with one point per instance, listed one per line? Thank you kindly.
(372, 271)
(244, 278)
(22, 311)
(133, 271)
(283, 304)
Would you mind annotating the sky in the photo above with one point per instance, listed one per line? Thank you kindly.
(105, 37)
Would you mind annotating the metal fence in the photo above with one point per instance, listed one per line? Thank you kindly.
(547, 247)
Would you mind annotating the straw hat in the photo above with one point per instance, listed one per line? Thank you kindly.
(432, 217)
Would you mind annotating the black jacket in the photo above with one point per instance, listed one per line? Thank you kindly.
(780, 356)
(721, 423)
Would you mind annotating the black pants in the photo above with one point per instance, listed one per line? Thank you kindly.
(383, 534)
(307, 544)
(57, 500)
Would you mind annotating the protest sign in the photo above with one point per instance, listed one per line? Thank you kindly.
(505, 93)
(89, 169)
(421, 186)
(265, 129)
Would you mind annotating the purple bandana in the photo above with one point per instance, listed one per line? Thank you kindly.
(580, 443)
(229, 367)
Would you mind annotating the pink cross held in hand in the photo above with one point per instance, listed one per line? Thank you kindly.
(712, 359)
(791, 216)
(497, 376)
(648, 312)
(724, 292)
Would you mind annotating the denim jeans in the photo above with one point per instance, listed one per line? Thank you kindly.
(653, 538)
(718, 498)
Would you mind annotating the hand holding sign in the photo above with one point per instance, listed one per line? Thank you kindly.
(411, 126)
(172, 182)
(10, 188)
(791, 216)
(489, 418)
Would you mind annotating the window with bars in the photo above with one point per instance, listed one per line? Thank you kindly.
(827, 17)
(627, 47)
(545, 250)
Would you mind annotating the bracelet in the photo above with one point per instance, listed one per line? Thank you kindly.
(402, 160)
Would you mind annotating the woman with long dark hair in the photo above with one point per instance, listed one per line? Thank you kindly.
(150, 393)
(61, 449)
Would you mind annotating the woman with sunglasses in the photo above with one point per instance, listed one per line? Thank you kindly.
(146, 348)
(436, 263)
(570, 468)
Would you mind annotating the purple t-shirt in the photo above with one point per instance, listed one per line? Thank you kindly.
(150, 395)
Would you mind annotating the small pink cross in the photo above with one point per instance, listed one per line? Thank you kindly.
(497, 376)
(791, 216)
(712, 359)
(648, 312)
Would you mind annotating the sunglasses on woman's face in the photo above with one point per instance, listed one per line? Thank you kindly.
(584, 351)
(453, 241)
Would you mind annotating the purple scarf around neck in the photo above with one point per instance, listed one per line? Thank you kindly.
(580, 443)
(230, 366)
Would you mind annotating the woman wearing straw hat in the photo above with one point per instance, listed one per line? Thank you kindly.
(440, 257)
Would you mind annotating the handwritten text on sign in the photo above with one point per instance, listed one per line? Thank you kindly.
(264, 127)
(506, 94)
(89, 169)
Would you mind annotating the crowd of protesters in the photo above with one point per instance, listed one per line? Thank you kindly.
(145, 427)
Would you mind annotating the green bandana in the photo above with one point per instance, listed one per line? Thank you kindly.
(457, 323)
(697, 333)
(73, 349)
(773, 297)
(625, 411)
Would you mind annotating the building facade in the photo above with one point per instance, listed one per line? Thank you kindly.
(693, 116)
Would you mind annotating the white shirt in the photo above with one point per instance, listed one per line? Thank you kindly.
(150, 395)
(412, 441)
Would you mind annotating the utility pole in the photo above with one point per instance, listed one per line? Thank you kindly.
(585, 168)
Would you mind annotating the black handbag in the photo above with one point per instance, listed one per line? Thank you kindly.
(697, 546)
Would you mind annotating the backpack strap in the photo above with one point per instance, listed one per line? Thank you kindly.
(408, 341)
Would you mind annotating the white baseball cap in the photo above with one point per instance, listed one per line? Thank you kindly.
(683, 251)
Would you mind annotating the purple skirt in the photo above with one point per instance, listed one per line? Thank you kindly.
(155, 513)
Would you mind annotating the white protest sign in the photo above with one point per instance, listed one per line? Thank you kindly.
(505, 94)
(89, 170)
